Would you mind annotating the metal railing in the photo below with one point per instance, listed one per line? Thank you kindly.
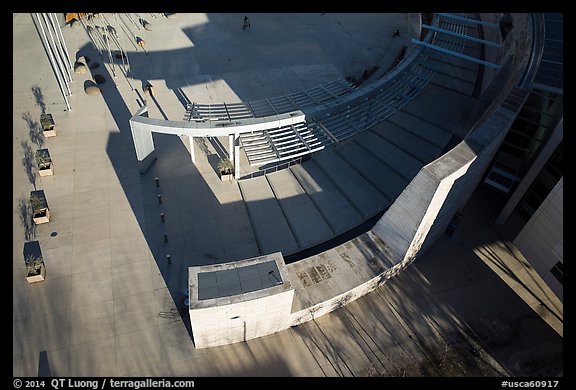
(277, 167)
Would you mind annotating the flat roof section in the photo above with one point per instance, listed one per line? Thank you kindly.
(225, 283)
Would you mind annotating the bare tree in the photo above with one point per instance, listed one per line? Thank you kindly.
(39, 98)
(28, 162)
(34, 130)
(25, 213)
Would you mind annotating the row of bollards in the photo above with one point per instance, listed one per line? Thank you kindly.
(163, 220)
(168, 256)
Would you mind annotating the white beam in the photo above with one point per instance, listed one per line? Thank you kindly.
(192, 154)
(231, 151)
(236, 156)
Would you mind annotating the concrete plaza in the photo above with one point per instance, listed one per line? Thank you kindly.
(112, 306)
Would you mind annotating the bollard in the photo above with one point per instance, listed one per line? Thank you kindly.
(165, 237)
(159, 199)
(169, 259)
(162, 217)
(157, 182)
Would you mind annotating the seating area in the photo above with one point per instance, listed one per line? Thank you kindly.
(270, 106)
(375, 109)
(288, 142)
(348, 116)
(395, 93)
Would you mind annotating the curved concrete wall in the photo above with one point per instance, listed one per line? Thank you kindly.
(418, 216)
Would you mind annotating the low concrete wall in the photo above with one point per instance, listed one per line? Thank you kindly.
(241, 321)
(325, 307)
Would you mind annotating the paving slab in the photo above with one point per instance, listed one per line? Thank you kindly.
(91, 287)
(444, 115)
(273, 232)
(384, 178)
(422, 150)
(94, 358)
(93, 322)
(396, 159)
(128, 250)
(456, 73)
(360, 192)
(94, 227)
(291, 355)
(91, 255)
(134, 312)
(46, 332)
(325, 353)
(54, 294)
(307, 223)
(336, 209)
(434, 134)
(130, 279)
(138, 350)
(172, 347)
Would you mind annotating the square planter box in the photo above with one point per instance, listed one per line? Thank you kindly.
(32, 251)
(226, 176)
(43, 216)
(226, 170)
(40, 210)
(46, 171)
(44, 162)
(38, 278)
(47, 123)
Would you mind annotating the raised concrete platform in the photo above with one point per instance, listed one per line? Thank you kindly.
(239, 300)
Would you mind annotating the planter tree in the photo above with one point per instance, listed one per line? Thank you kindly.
(47, 123)
(44, 162)
(40, 210)
(226, 169)
(35, 269)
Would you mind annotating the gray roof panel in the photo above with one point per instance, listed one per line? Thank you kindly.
(225, 283)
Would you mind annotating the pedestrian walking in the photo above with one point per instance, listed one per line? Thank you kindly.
(246, 23)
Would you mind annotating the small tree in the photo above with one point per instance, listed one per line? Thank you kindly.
(43, 159)
(37, 204)
(226, 167)
(46, 121)
(33, 264)
(40, 212)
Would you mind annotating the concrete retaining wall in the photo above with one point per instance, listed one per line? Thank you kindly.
(241, 321)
